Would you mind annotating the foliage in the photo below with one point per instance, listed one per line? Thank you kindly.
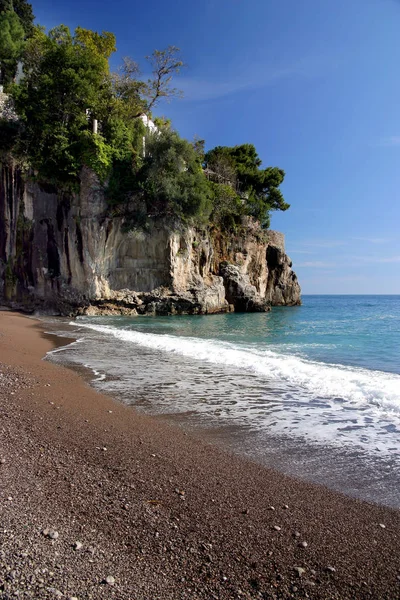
(9, 131)
(258, 187)
(165, 63)
(64, 80)
(168, 183)
(67, 85)
(136, 96)
(97, 154)
(227, 206)
(12, 36)
(23, 10)
(171, 178)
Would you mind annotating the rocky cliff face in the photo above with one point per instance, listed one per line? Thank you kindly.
(65, 254)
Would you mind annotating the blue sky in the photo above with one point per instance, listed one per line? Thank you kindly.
(315, 85)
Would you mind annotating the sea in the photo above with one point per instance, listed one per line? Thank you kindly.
(312, 391)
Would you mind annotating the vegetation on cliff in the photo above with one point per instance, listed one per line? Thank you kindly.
(74, 112)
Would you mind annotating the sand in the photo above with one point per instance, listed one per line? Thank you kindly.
(162, 514)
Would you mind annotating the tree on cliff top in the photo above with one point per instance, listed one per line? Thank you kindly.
(258, 188)
(65, 76)
(12, 36)
(139, 96)
(24, 12)
(66, 85)
(169, 183)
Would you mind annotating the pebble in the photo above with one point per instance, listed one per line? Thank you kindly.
(285, 506)
(382, 525)
(277, 528)
(78, 545)
(271, 508)
(55, 592)
(331, 569)
(303, 544)
(300, 571)
(110, 411)
(110, 580)
(2, 461)
(297, 534)
(51, 533)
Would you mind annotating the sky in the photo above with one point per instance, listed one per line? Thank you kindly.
(315, 86)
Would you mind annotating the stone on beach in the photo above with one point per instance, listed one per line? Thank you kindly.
(50, 533)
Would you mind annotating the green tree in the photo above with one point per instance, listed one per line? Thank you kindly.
(137, 96)
(23, 10)
(169, 182)
(65, 84)
(259, 188)
(12, 36)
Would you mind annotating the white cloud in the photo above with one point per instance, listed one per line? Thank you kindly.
(363, 260)
(316, 264)
(373, 240)
(323, 243)
(200, 90)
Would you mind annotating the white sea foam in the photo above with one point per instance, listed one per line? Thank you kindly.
(358, 386)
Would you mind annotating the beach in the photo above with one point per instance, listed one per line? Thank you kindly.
(98, 501)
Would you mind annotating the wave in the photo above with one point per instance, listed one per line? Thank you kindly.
(320, 380)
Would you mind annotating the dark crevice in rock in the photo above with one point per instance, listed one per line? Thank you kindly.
(79, 242)
(66, 248)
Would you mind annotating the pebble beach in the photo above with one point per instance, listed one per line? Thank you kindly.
(100, 502)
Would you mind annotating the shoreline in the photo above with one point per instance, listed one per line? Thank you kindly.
(167, 515)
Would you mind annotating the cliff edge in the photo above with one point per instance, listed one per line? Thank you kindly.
(64, 254)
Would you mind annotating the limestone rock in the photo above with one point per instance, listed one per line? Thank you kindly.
(240, 292)
(64, 255)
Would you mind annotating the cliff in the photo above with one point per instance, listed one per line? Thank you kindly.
(63, 253)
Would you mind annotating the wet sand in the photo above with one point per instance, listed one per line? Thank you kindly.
(165, 514)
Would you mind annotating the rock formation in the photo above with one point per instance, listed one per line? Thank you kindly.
(65, 254)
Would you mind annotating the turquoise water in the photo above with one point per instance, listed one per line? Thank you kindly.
(278, 386)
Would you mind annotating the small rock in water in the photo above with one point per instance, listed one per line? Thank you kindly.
(110, 580)
(303, 544)
(277, 528)
(78, 546)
